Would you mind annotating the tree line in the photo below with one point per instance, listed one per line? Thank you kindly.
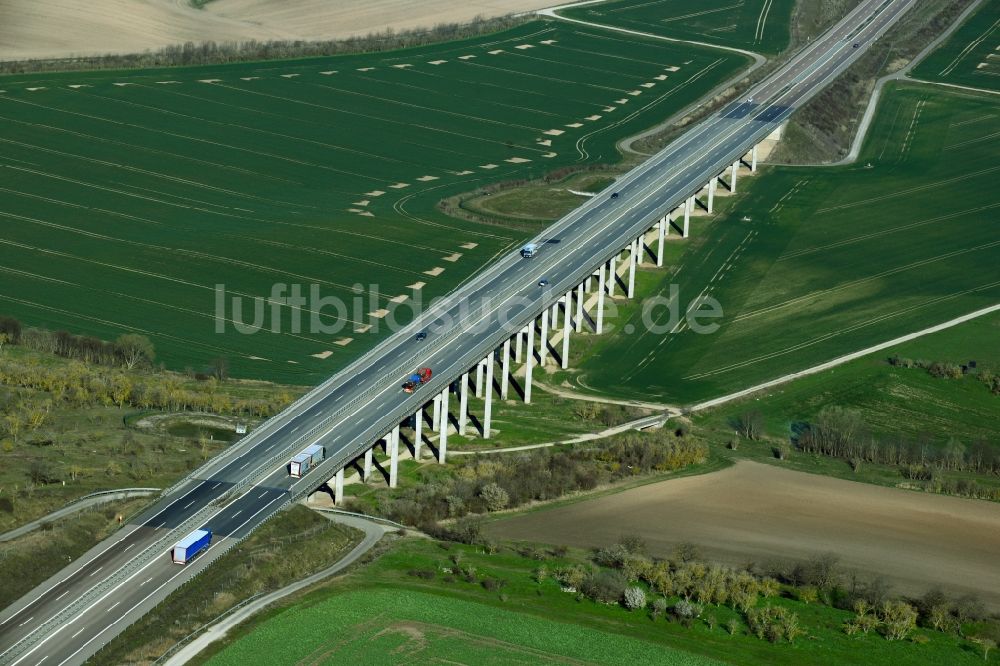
(842, 433)
(213, 53)
(483, 484)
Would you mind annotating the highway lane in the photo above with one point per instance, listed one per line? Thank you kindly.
(351, 410)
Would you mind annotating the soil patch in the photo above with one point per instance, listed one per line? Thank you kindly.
(757, 512)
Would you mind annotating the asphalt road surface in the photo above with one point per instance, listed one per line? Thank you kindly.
(72, 615)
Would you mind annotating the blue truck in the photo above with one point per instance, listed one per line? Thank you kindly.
(306, 460)
(187, 548)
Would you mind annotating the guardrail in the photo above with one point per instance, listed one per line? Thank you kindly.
(136, 563)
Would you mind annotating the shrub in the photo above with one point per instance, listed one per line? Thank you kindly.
(605, 587)
(426, 574)
(732, 626)
(635, 598)
(686, 609)
(898, 619)
(659, 607)
(495, 497)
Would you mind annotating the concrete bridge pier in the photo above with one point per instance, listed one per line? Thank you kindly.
(612, 275)
(732, 176)
(505, 368)
(393, 444)
(632, 262)
(367, 472)
(488, 395)
(661, 230)
(418, 432)
(579, 306)
(479, 380)
(338, 487)
(543, 342)
(518, 344)
(529, 362)
(712, 185)
(463, 402)
(688, 205)
(753, 159)
(599, 326)
(443, 427)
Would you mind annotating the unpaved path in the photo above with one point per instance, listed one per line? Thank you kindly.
(757, 512)
(373, 533)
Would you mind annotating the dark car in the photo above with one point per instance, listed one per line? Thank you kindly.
(614, 195)
(421, 336)
(857, 45)
(543, 283)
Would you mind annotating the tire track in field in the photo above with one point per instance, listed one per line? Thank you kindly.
(177, 135)
(134, 329)
(458, 99)
(839, 331)
(805, 298)
(284, 119)
(258, 112)
(214, 258)
(168, 306)
(885, 232)
(911, 190)
(372, 237)
(408, 125)
(149, 149)
(146, 172)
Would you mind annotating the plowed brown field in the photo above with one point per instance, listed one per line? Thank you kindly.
(756, 512)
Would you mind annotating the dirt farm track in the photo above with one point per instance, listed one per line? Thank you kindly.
(756, 512)
(64, 28)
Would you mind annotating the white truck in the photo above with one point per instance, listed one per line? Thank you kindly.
(306, 460)
(529, 250)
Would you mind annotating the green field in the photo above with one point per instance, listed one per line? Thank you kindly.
(758, 25)
(127, 196)
(970, 57)
(394, 626)
(897, 401)
(812, 263)
(384, 615)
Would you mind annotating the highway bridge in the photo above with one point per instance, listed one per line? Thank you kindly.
(487, 327)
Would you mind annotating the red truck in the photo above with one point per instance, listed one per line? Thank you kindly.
(421, 376)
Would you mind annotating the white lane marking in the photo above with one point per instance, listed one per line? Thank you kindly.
(128, 546)
(237, 513)
(255, 514)
(96, 570)
(61, 595)
(144, 582)
(658, 165)
(78, 633)
(216, 486)
(113, 606)
(261, 496)
(120, 618)
(27, 621)
(189, 504)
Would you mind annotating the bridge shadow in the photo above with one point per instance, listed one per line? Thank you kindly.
(648, 249)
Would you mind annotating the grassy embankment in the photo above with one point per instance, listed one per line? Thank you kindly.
(434, 601)
(295, 545)
(324, 171)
